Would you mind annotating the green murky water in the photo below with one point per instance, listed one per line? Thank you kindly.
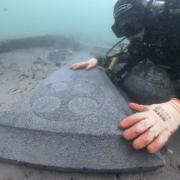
(85, 19)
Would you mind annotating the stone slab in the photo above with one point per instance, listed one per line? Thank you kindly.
(70, 123)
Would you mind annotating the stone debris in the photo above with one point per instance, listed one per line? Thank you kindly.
(58, 55)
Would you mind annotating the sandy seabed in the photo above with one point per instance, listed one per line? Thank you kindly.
(20, 71)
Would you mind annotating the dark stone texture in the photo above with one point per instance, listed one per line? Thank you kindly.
(70, 123)
(39, 41)
(59, 55)
(156, 83)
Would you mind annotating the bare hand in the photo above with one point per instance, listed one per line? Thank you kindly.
(87, 65)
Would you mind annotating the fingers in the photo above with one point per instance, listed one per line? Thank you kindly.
(86, 64)
(142, 141)
(78, 65)
(159, 142)
(73, 66)
(138, 107)
(146, 138)
(133, 119)
(90, 66)
(154, 139)
(138, 129)
(147, 129)
(154, 131)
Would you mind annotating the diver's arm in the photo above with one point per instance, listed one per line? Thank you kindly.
(124, 58)
(101, 61)
(87, 65)
(153, 125)
(90, 63)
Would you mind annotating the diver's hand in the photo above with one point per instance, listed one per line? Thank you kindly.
(152, 126)
(91, 63)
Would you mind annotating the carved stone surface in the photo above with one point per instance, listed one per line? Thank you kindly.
(70, 123)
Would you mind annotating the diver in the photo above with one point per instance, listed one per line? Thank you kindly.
(151, 68)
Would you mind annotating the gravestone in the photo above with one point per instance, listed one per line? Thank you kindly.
(69, 122)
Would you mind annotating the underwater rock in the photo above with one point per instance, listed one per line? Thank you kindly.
(70, 123)
(58, 41)
(40, 61)
(147, 83)
(58, 55)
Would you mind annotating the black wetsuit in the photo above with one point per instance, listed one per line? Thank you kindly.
(160, 44)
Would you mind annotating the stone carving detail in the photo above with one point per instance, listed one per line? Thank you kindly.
(76, 98)
(83, 105)
(46, 105)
